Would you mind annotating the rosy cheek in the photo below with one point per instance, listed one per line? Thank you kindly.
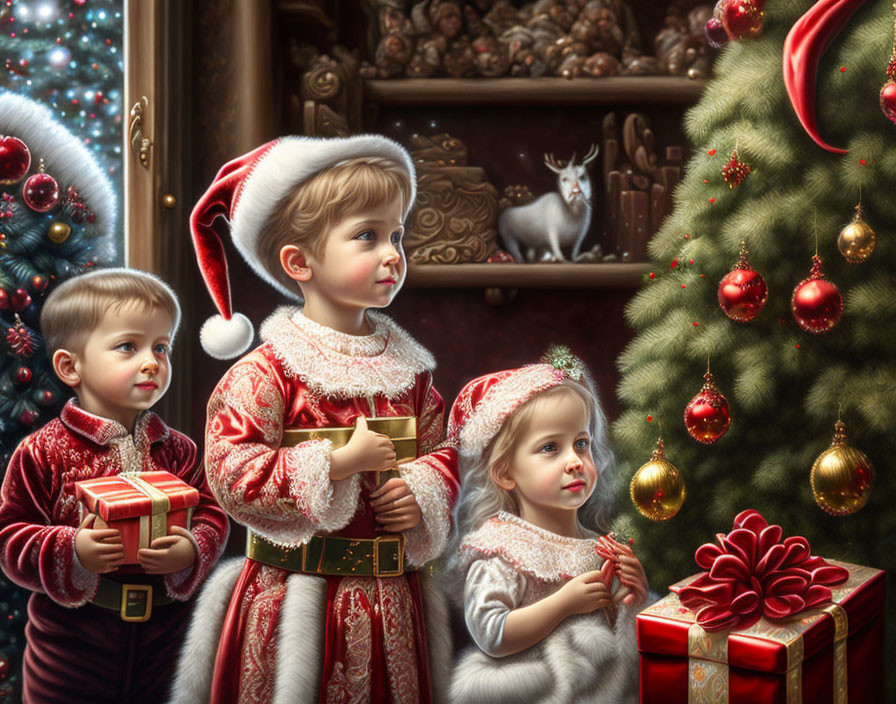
(359, 271)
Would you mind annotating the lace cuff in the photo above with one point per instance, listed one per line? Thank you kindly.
(428, 539)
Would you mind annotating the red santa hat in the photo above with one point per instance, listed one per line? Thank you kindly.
(247, 192)
(485, 403)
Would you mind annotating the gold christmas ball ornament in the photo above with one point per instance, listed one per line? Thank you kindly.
(841, 476)
(856, 240)
(657, 489)
(59, 232)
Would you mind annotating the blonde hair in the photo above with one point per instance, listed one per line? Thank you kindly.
(481, 498)
(304, 216)
(77, 306)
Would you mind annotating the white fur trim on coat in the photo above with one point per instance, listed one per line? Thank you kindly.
(427, 540)
(285, 165)
(65, 158)
(386, 362)
(300, 635)
(193, 678)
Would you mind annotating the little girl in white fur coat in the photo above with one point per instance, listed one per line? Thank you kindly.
(551, 608)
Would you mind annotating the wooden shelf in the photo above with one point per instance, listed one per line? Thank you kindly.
(533, 91)
(549, 275)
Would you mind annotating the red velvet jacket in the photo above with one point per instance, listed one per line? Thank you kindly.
(39, 514)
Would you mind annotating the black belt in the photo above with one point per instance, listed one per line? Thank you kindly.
(133, 602)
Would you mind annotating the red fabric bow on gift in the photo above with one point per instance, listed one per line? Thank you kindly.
(752, 573)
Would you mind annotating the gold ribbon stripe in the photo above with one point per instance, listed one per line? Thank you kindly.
(155, 525)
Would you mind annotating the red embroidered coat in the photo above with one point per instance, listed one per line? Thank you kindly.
(39, 517)
(304, 638)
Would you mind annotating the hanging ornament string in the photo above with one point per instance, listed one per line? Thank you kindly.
(888, 92)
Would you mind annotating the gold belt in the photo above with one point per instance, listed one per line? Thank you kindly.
(331, 555)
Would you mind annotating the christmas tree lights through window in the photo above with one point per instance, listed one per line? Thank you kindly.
(68, 55)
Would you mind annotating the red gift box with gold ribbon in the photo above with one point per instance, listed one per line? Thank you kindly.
(768, 626)
(143, 506)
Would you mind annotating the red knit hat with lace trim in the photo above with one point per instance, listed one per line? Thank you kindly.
(247, 191)
(486, 402)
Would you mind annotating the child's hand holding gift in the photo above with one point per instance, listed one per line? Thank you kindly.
(631, 574)
(588, 592)
(99, 550)
(395, 506)
(366, 451)
(170, 553)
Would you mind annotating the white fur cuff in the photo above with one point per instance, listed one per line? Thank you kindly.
(427, 540)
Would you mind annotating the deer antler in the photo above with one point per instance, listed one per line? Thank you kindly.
(592, 152)
(552, 164)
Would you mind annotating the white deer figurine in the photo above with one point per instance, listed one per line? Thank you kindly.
(555, 220)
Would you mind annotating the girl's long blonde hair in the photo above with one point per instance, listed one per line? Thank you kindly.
(481, 498)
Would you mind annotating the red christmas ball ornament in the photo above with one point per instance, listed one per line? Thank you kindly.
(816, 302)
(23, 375)
(15, 160)
(45, 397)
(743, 19)
(715, 33)
(708, 414)
(39, 282)
(4, 299)
(29, 418)
(20, 300)
(888, 100)
(41, 192)
(742, 292)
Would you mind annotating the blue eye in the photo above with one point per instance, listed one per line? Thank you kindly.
(549, 447)
(582, 444)
(126, 347)
(161, 349)
(366, 236)
(395, 238)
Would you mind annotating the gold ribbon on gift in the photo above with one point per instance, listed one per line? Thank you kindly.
(708, 657)
(155, 525)
(402, 431)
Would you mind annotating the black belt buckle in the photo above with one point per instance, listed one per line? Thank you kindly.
(136, 602)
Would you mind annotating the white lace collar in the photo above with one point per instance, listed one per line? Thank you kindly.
(530, 549)
(335, 364)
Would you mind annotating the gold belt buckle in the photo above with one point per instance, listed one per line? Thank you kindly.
(399, 570)
(136, 602)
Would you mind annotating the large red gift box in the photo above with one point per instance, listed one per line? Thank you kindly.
(830, 655)
(142, 505)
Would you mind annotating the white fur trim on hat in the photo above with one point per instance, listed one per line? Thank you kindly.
(65, 158)
(285, 165)
(500, 401)
(225, 339)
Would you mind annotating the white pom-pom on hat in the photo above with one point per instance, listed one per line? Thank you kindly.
(225, 339)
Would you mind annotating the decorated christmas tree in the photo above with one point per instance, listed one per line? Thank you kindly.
(57, 219)
(793, 342)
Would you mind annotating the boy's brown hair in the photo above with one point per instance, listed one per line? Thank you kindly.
(304, 216)
(77, 306)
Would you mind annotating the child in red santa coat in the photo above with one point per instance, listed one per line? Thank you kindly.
(551, 623)
(327, 605)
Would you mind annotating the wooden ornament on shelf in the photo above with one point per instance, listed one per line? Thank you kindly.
(454, 218)
(637, 187)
